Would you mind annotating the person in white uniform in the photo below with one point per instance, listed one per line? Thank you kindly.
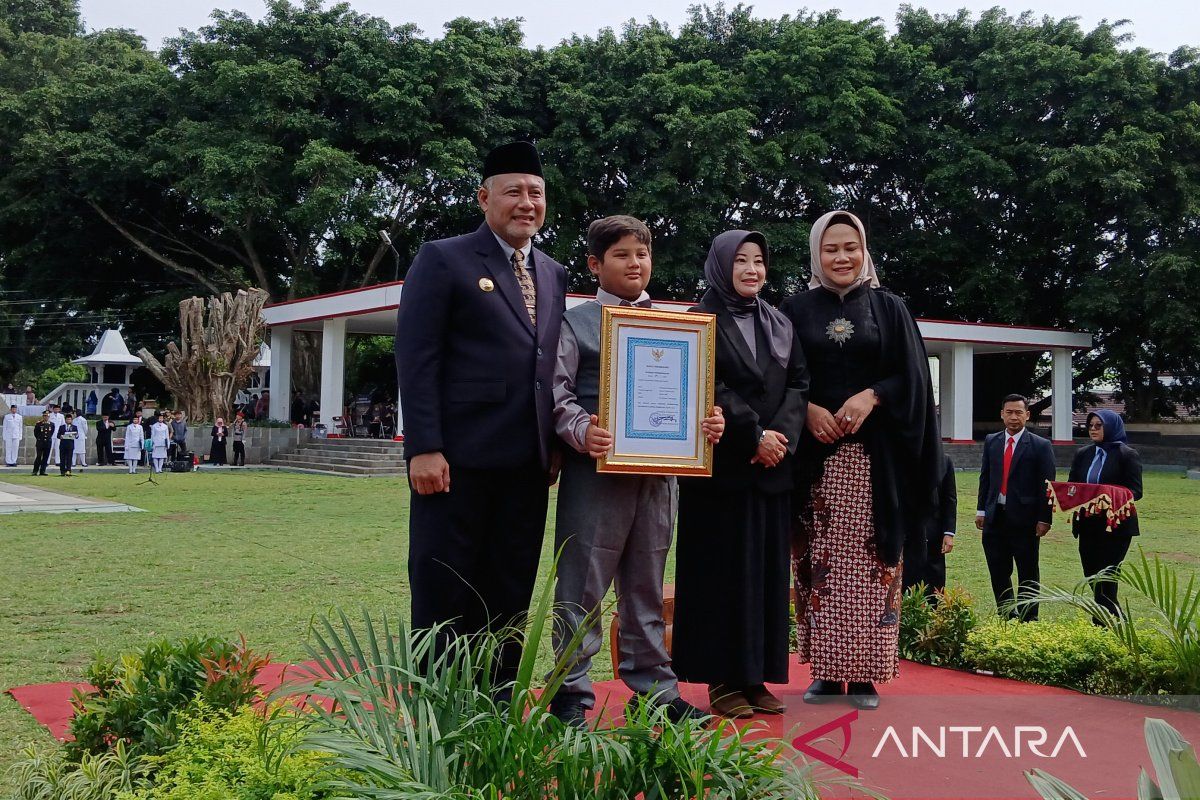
(135, 437)
(160, 439)
(14, 432)
(56, 419)
(81, 426)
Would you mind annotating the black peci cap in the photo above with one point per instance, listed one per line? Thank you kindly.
(519, 157)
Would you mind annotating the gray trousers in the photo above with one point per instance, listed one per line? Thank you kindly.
(613, 528)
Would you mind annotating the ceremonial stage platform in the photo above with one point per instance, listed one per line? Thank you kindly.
(938, 733)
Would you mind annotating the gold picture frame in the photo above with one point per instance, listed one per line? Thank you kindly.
(657, 376)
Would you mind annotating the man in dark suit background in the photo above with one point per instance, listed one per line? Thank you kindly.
(476, 336)
(1013, 512)
(938, 539)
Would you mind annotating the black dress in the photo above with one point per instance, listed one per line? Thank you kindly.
(861, 498)
(217, 453)
(732, 560)
(1100, 548)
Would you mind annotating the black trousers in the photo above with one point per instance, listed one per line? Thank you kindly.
(239, 454)
(104, 452)
(1006, 544)
(932, 572)
(1098, 551)
(66, 452)
(41, 457)
(473, 553)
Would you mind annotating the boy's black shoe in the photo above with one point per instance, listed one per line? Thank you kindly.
(676, 710)
(569, 711)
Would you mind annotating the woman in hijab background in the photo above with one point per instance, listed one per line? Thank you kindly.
(1110, 461)
(732, 562)
(870, 463)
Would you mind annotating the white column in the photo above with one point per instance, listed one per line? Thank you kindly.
(1061, 400)
(333, 370)
(281, 372)
(962, 399)
(946, 394)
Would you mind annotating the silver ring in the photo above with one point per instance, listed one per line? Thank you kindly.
(849, 418)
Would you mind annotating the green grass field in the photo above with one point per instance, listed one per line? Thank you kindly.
(261, 553)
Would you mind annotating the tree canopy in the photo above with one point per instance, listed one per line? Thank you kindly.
(1009, 169)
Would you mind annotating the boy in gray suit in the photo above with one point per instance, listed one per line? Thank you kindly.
(610, 526)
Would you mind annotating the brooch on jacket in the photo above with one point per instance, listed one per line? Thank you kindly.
(840, 330)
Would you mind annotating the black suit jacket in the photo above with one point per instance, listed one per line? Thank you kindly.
(755, 394)
(1123, 467)
(945, 518)
(474, 375)
(1032, 465)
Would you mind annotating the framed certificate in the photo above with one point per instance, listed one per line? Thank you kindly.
(656, 385)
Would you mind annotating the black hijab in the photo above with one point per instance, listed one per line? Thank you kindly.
(718, 271)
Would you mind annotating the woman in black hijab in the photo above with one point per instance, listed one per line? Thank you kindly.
(732, 563)
(870, 465)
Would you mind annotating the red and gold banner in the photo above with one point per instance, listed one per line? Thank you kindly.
(1092, 499)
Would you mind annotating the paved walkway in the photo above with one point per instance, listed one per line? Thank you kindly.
(16, 498)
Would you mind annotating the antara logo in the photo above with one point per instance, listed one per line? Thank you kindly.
(1032, 737)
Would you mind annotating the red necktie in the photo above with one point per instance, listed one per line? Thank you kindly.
(1008, 451)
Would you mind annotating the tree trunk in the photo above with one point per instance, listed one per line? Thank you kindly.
(215, 357)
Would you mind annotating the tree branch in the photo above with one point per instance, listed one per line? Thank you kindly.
(171, 264)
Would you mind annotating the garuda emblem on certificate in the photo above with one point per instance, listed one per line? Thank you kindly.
(840, 330)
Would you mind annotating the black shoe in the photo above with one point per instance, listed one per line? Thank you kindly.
(863, 695)
(824, 691)
(570, 712)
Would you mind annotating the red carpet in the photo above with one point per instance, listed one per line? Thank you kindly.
(937, 734)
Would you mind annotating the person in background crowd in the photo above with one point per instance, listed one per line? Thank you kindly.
(80, 452)
(135, 438)
(375, 421)
(66, 435)
(297, 409)
(89, 405)
(43, 440)
(30, 397)
(104, 432)
(239, 440)
(869, 468)
(263, 409)
(251, 407)
(735, 527)
(106, 403)
(1012, 509)
(939, 539)
(216, 452)
(160, 438)
(118, 404)
(1108, 460)
(14, 432)
(131, 404)
(179, 433)
(10, 389)
(56, 419)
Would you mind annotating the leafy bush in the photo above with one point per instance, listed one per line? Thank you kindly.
(1071, 653)
(935, 634)
(400, 718)
(138, 696)
(222, 754)
(52, 377)
(50, 776)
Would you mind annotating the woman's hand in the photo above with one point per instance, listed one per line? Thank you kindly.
(771, 449)
(822, 425)
(855, 411)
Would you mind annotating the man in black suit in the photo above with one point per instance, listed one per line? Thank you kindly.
(476, 336)
(1013, 512)
(938, 539)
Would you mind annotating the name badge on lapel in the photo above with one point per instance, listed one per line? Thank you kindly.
(486, 284)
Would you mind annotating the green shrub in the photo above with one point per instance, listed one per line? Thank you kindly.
(1072, 653)
(936, 634)
(138, 696)
(223, 754)
(49, 775)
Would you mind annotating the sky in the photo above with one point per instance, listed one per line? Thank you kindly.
(1160, 26)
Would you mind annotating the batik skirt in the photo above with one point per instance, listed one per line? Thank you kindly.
(847, 600)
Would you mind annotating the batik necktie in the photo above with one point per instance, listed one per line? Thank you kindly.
(525, 281)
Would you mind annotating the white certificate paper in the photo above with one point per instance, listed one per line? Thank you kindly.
(656, 405)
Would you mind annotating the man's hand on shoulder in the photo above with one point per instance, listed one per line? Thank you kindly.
(429, 473)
